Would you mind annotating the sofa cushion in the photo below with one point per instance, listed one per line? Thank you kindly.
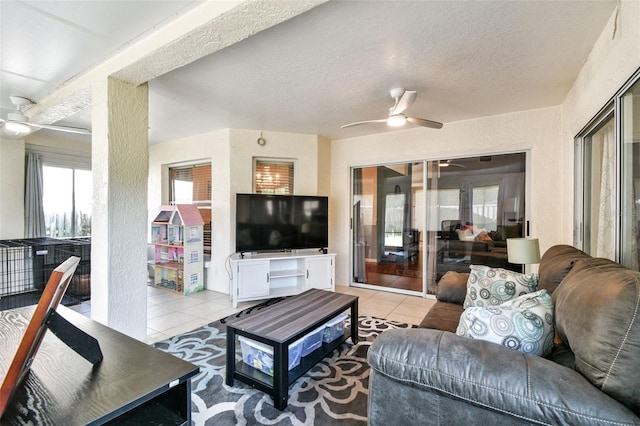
(524, 323)
(443, 316)
(452, 287)
(556, 264)
(598, 316)
(493, 286)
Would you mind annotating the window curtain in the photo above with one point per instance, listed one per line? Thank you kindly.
(604, 192)
(34, 225)
(466, 203)
(510, 203)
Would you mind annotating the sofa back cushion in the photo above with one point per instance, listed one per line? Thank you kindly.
(556, 264)
(452, 287)
(597, 314)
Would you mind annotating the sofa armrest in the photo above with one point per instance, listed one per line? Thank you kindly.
(452, 287)
(485, 374)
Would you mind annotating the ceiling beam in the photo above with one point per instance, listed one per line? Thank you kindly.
(200, 32)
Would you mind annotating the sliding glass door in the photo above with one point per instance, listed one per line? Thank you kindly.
(388, 219)
(413, 222)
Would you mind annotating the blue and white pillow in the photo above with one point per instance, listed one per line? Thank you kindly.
(524, 323)
(493, 286)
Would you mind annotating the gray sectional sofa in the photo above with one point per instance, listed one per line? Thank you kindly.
(592, 376)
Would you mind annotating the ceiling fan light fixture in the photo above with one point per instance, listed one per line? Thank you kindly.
(17, 128)
(396, 120)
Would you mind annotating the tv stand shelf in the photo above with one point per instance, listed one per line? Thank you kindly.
(276, 275)
(287, 273)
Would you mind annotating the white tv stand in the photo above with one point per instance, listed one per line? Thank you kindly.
(265, 276)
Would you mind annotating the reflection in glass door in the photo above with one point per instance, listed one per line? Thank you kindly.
(630, 182)
(387, 226)
(411, 225)
(473, 205)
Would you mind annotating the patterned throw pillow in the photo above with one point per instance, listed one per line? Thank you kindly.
(524, 323)
(493, 286)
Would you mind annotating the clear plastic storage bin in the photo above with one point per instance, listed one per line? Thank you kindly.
(334, 328)
(312, 341)
(260, 356)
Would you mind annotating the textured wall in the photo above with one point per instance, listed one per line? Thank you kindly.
(231, 153)
(536, 131)
(209, 147)
(11, 188)
(613, 60)
(120, 165)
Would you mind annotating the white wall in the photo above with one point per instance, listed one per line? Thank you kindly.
(302, 149)
(11, 188)
(208, 147)
(547, 133)
(612, 61)
(12, 170)
(231, 153)
(60, 144)
(536, 131)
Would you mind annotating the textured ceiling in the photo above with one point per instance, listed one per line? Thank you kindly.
(332, 65)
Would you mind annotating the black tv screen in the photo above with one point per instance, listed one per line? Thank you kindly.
(281, 222)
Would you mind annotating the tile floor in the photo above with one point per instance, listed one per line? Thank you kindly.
(169, 314)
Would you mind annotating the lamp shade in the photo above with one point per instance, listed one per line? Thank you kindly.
(523, 250)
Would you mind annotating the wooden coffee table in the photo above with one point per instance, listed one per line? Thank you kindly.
(279, 326)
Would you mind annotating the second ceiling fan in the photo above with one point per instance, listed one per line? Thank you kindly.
(17, 124)
(403, 99)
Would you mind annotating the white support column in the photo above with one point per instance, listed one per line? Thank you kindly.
(120, 164)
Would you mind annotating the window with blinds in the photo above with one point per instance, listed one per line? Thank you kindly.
(192, 185)
(273, 177)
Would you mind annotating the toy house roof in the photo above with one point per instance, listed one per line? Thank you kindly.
(188, 214)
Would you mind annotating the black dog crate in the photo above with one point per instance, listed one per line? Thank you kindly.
(26, 265)
(48, 253)
(16, 268)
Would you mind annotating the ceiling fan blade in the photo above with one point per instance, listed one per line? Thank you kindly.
(405, 101)
(425, 123)
(67, 129)
(357, 123)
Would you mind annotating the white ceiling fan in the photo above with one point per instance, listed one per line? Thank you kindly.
(17, 124)
(447, 163)
(403, 99)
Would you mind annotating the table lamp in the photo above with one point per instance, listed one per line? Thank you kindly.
(523, 250)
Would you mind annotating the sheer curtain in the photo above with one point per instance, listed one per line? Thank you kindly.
(466, 203)
(34, 225)
(604, 210)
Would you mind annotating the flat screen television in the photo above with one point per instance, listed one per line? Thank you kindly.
(281, 222)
